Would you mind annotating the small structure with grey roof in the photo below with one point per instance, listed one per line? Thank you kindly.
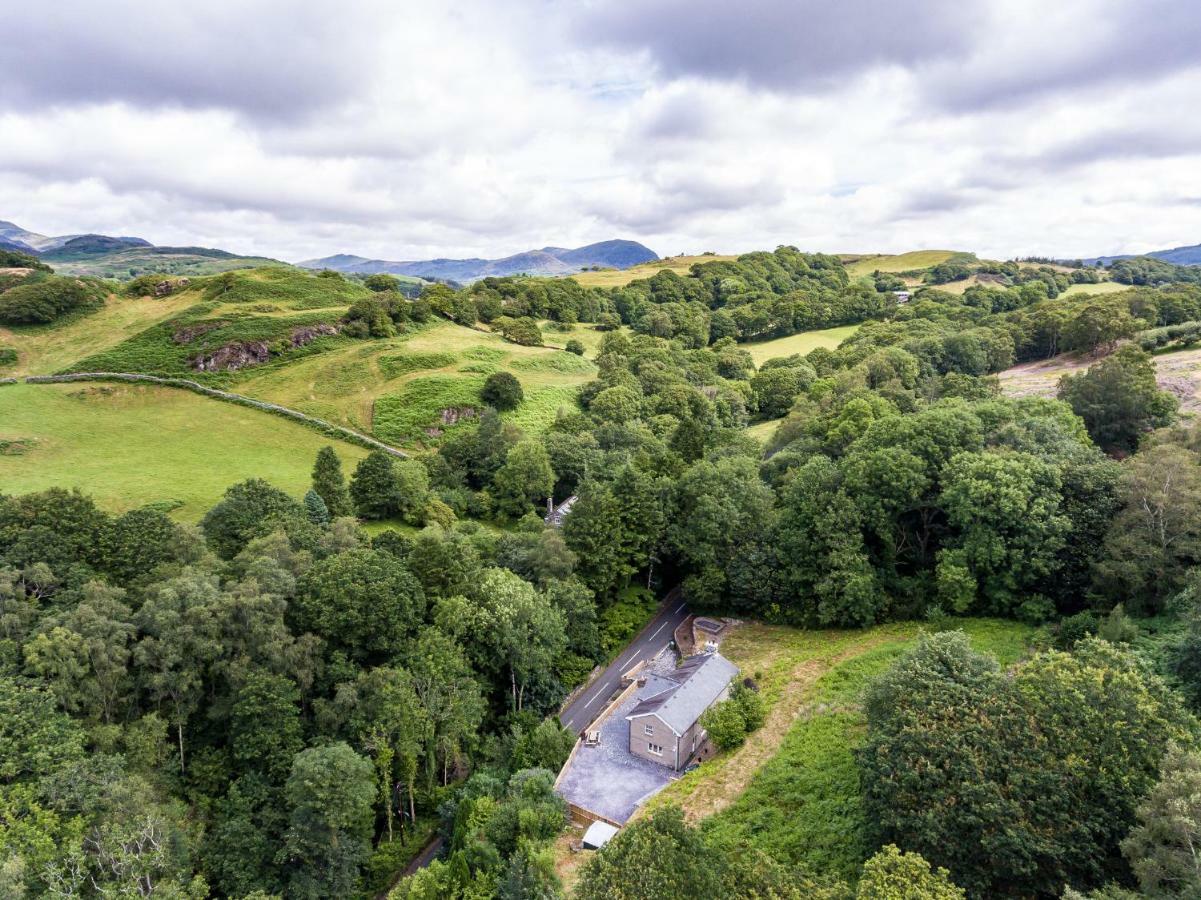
(665, 728)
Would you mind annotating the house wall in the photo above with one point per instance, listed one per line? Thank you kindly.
(640, 741)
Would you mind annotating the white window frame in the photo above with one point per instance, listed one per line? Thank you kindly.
(648, 728)
(656, 749)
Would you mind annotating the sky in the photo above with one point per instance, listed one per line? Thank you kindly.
(410, 130)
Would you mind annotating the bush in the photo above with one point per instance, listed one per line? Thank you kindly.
(502, 390)
(726, 725)
(1075, 628)
(49, 299)
(8, 356)
(574, 346)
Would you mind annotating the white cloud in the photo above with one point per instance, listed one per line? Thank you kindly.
(416, 130)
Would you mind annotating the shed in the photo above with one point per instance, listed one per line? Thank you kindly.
(598, 834)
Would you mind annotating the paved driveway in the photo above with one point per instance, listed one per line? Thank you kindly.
(608, 779)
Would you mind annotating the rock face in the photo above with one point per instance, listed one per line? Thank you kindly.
(170, 285)
(232, 357)
(240, 354)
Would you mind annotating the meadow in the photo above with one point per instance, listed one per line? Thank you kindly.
(802, 343)
(895, 262)
(129, 446)
(607, 278)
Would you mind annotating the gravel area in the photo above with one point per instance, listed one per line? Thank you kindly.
(608, 779)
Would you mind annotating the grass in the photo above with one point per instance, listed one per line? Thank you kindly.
(802, 343)
(621, 277)
(163, 260)
(45, 349)
(131, 445)
(895, 262)
(762, 431)
(399, 387)
(588, 335)
(1104, 287)
(792, 790)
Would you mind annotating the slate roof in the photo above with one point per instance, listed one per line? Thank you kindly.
(699, 681)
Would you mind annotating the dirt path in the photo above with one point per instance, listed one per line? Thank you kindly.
(720, 788)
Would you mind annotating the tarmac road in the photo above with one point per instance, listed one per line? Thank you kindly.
(581, 712)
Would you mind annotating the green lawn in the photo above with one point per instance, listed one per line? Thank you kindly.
(802, 343)
(792, 790)
(129, 445)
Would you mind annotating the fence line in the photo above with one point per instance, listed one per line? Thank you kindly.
(327, 428)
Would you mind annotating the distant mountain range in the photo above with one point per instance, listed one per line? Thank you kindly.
(1181, 256)
(616, 254)
(122, 257)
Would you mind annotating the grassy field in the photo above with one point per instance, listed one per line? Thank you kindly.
(802, 343)
(132, 445)
(762, 431)
(620, 277)
(44, 349)
(898, 262)
(397, 388)
(1105, 287)
(792, 790)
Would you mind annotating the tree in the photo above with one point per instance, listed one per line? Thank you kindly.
(449, 694)
(248, 510)
(893, 875)
(138, 541)
(725, 724)
(1156, 536)
(363, 602)
(381, 281)
(526, 478)
(35, 738)
(329, 795)
(329, 483)
(1119, 399)
(264, 727)
(653, 858)
(574, 346)
(373, 486)
(1017, 784)
(315, 508)
(1162, 848)
(502, 390)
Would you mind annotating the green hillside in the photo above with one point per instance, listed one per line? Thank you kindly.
(124, 263)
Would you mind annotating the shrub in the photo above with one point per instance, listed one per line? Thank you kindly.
(574, 346)
(726, 725)
(502, 390)
(49, 299)
(8, 356)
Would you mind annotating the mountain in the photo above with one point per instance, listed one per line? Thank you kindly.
(615, 254)
(122, 257)
(1180, 256)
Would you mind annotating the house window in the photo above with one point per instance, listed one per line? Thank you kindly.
(648, 729)
(655, 749)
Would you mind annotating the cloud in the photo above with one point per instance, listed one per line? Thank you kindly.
(267, 58)
(795, 45)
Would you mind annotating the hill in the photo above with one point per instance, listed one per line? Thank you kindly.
(616, 276)
(122, 258)
(1181, 256)
(615, 254)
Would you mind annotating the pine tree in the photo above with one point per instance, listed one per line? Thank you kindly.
(330, 485)
(316, 509)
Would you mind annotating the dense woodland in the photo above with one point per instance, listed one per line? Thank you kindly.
(280, 702)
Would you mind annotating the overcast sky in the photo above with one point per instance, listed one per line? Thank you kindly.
(409, 130)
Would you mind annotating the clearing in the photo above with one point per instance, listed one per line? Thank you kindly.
(130, 445)
(802, 343)
(792, 790)
(858, 264)
(608, 278)
(1177, 371)
(1104, 287)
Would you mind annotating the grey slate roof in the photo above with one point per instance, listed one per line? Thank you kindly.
(699, 681)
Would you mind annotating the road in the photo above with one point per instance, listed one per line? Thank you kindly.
(657, 634)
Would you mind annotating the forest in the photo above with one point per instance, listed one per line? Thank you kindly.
(293, 696)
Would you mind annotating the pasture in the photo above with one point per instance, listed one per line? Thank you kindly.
(802, 343)
(609, 278)
(132, 445)
(857, 265)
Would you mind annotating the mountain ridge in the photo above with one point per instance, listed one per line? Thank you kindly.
(550, 260)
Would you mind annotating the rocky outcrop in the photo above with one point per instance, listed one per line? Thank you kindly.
(306, 334)
(191, 332)
(170, 286)
(232, 357)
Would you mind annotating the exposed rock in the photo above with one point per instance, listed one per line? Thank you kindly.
(163, 288)
(306, 334)
(191, 332)
(232, 357)
(455, 414)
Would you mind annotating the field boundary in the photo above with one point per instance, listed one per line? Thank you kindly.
(326, 428)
